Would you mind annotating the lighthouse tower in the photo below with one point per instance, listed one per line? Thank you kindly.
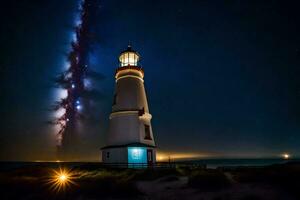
(130, 139)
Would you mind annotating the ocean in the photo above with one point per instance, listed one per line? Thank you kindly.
(253, 162)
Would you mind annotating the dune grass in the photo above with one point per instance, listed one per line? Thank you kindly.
(92, 182)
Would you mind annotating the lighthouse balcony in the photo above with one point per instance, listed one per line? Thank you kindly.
(128, 69)
(140, 112)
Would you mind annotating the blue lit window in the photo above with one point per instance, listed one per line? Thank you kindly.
(137, 155)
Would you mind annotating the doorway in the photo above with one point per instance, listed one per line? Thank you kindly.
(149, 156)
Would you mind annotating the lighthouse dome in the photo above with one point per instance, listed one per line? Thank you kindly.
(129, 57)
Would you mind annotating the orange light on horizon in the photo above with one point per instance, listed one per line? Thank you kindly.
(286, 156)
(178, 156)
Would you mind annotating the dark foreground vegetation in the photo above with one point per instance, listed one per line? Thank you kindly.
(91, 181)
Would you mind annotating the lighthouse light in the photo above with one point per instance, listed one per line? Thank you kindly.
(129, 58)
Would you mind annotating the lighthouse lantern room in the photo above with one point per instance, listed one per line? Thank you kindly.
(130, 139)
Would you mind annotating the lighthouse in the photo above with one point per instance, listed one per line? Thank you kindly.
(130, 138)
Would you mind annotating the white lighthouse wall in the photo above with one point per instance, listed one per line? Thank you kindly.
(115, 155)
(129, 116)
(126, 124)
(130, 94)
(124, 129)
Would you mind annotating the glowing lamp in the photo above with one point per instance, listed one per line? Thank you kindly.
(129, 57)
(286, 156)
(60, 179)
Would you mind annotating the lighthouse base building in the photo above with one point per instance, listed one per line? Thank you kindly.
(135, 154)
(130, 139)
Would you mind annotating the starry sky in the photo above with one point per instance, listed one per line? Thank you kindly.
(221, 76)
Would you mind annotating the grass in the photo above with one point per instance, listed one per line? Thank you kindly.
(32, 183)
(93, 182)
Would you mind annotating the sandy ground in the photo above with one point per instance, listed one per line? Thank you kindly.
(176, 188)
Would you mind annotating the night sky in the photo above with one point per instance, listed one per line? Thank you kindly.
(221, 76)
